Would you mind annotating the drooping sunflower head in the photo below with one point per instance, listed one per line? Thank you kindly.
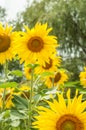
(51, 66)
(59, 78)
(83, 77)
(36, 44)
(61, 115)
(6, 43)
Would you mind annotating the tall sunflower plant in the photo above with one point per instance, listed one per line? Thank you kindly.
(36, 96)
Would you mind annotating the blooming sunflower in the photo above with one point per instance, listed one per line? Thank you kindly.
(83, 77)
(62, 115)
(58, 79)
(36, 45)
(6, 43)
(51, 66)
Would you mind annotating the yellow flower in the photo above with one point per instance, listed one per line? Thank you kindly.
(6, 43)
(58, 79)
(27, 72)
(8, 97)
(61, 115)
(24, 88)
(36, 45)
(83, 77)
(23, 91)
(51, 66)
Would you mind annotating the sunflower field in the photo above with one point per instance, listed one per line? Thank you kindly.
(40, 95)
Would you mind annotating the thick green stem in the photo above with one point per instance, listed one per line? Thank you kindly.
(4, 92)
(6, 70)
(30, 103)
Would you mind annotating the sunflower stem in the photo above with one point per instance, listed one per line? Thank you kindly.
(6, 77)
(30, 103)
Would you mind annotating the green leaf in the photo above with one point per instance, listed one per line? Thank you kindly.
(71, 84)
(46, 74)
(18, 114)
(37, 98)
(32, 66)
(82, 90)
(20, 103)
(2, 116)
(8, 84)
(17, 73)
(15, 123)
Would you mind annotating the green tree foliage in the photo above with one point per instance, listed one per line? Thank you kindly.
(2, 14)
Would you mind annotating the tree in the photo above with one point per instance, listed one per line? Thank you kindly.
(2, 14)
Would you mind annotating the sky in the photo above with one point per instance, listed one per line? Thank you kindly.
(13, 7)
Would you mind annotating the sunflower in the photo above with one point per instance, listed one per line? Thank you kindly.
(61, 115)
(8, 97)
(6, 43)
(51, 66)
(58, 79)
(36, 45)
(83, 77)
(24, 91)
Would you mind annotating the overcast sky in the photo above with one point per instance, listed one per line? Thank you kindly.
(13, 7)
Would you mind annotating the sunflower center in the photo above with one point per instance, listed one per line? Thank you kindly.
(35, 44)
(4, 43)
(69, 122)
(29, 71)
(57, 77)
(47, 65)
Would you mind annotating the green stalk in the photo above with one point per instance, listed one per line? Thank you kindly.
(4, 93)
(30, 103)
(5, 67)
